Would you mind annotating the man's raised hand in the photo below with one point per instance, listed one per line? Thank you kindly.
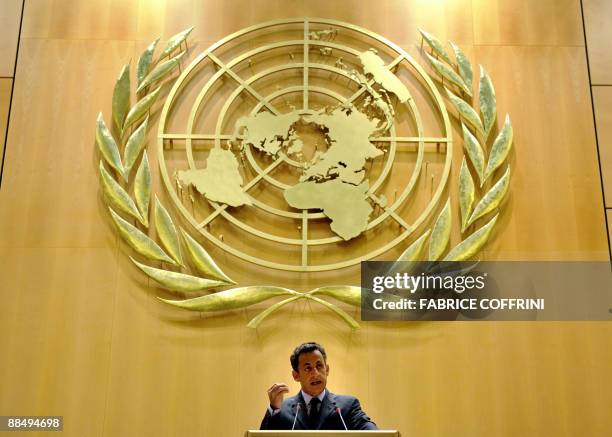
(276, 394)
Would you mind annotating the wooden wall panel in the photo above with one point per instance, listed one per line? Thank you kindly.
(50, 175)
(176, 367)
(598, 25)
(434, 375)
(554, 138)
(55, 333)
(524, 22)
(82, 333)
(5, 101)
(602, 99)
(10, 17)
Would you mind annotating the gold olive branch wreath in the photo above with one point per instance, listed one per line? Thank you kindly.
(122, 148)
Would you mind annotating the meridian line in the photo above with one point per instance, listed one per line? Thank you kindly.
(398, 219)
(245, 85)
(391, 213)
(395, 62)
(359, 92)
(306, 61)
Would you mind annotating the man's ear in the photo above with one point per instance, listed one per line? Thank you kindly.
(296, 376)
(327, 368)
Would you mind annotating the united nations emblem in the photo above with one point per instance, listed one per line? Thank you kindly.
(302, 145)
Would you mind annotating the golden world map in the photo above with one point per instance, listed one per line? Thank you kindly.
(333, 180)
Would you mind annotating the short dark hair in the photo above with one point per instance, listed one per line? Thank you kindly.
(304, 348)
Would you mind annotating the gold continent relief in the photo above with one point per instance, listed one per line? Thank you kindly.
(333, 181)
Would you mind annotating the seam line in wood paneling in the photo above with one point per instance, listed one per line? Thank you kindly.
(8, 117)
(603, 193)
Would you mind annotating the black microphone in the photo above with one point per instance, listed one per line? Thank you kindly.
(297, 410)
(341, 418)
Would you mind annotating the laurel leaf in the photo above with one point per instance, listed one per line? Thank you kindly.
(134, 146)
(140, 108)
(174, 42)
(233, 298)
(348, 319)
(435, 45)
(344, 293)
(167, 232)
(414, 250)
(472, 244)
(466, 112)
(117, 196)
(474, 151)
(178, 281)
(440, 235)
(466, 193)
(256, 321)
(108, 146)
(139, 241)
(144, 62)
(464, 66)
(202, 260)
(500, 149)
(405, 262)
(488, 105)
(142, 189)
(160, 71)
(493, 198)
(121, 96)
(449, 74)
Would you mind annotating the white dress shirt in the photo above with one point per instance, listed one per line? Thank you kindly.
(307, 399)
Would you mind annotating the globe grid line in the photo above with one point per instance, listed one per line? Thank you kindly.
(306, 67)
(211, 137)
(244, 85)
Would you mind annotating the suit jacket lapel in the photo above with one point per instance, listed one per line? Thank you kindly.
(327, 408)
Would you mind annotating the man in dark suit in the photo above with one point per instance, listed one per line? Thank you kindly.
(314, 407)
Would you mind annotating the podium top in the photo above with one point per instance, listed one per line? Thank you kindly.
(378, 433)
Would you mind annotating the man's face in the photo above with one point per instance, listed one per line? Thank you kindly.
(312, 372)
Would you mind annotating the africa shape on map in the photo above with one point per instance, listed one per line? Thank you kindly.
(333, 181)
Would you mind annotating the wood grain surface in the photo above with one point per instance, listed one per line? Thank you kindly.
(82, 334)
(598, 25)
(602, 99)
(5, 102)
(10, 17)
